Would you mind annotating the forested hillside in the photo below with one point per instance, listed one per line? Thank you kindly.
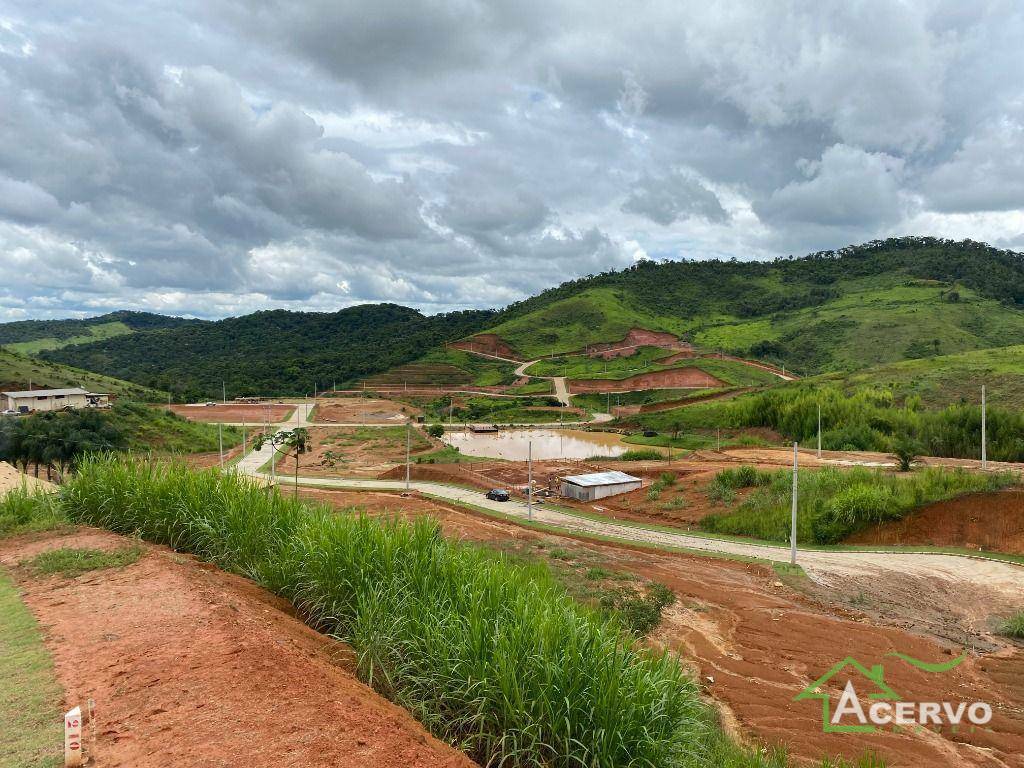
(33, 336)
(279, 352)
(873, 304)
(837, 310)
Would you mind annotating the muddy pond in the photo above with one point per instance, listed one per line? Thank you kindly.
(512, 444)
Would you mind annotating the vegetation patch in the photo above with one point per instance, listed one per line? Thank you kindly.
(1014, 626)
(835, 503)
(30, 715)
(74, 561)
(640, 613)
(23, 511)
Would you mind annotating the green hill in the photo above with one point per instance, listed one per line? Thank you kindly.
(18, 372)
(275, 352)
(33, 336)
(839, 310)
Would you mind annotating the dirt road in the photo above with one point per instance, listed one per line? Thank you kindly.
(754, 643)
(822, 566)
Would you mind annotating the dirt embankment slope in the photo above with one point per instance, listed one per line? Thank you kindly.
(754, 643)
(190, 666)
(673, 378)
(990, 521)
(11, 478)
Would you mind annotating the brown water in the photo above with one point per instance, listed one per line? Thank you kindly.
(513, 444)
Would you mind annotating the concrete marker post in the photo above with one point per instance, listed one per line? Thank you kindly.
(73, 738)
(792, 529)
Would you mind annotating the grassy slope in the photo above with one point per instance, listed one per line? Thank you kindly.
(594, 316)
(876, 322)
(30, 707)
(880, 319)
(16, 371)
(158, 429)
(96, 332)
(946, 379)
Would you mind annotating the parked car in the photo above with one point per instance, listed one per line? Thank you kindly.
(498, 494)
(8, 412)
(209, 403)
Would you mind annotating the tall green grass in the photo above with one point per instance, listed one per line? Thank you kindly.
(1014, 626)
(493, 657)
(835, 503)
(23, 510)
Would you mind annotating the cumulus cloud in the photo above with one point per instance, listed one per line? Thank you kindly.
(216, 157)
(666, 199)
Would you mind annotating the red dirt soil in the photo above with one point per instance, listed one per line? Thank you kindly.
(488, 344)
(762, 642)
(674, 378)
(636, 338)
(190, 666)
(363, 410)
(230, 413)
(991, 521)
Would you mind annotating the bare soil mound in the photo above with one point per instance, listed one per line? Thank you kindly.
(363, 410)
(190, 666)
(991, 521)
(11, 478)
(488, 344)
(674, 378)
(636, 338)
(231, 413)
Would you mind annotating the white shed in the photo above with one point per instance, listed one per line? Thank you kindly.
(31, 400)
(598, 485)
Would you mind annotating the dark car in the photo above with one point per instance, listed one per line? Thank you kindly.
(498, 494)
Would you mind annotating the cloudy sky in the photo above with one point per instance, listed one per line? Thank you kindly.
(213, 157)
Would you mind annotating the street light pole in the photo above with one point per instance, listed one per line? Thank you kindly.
(529, 480)
(819, 430)
(792, 529)
(984, 447)
(408, 442)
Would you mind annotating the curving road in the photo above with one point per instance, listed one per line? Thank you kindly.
(820, 565)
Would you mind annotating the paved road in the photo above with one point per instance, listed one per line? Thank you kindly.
(1004, 577)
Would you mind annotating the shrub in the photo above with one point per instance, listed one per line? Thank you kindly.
(489, 655)
(834, 503)
(1014, 626)
(906, 451)
(640, 613)
(22, 510)
(435, 430)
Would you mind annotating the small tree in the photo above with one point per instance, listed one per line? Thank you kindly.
(435, 430)
(293, 440)
(906, 450)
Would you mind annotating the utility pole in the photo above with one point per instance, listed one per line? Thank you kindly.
(719, 439)
(529, 480)
(984, 447)
(243, 437)
(792, 528)
(220, 440)
(819, 430)
(273, 459)
(223, 392)
(451, 409)
(408, 443)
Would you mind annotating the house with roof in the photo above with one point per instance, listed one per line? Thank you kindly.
(32, 400)
(598, 485)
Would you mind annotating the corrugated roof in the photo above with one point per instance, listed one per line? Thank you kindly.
(49, 392)
(602, 478)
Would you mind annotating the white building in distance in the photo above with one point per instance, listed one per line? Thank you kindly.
(31, 400)
(598, 485)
